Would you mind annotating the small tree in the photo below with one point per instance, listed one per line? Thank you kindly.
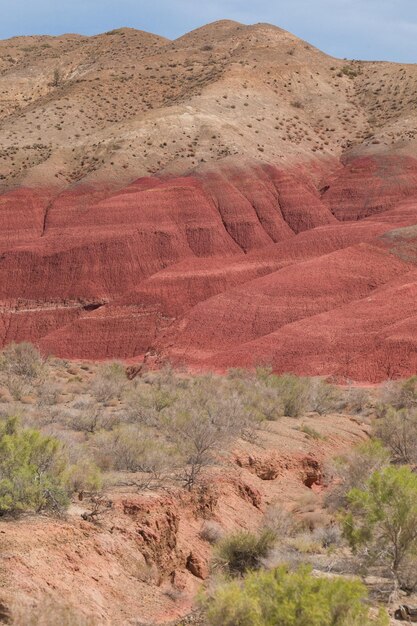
(202, 423)
(32, 470)
(269, 598)
(382, 517)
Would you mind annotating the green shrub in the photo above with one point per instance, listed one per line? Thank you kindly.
(244, 551)
(382, 517)
(32, 470)
(84, 476)
(269, 598)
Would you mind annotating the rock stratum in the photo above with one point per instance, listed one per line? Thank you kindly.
(231, 198)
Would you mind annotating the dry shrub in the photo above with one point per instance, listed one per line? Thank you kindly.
(211, 532)
(398, 432)
(48, 394)
(357, 400)
(324, 398)
(305, 543)
(278, 520)
(22, 360)
(132, 449)
(109, 382)
(400, 394)
(328, 536)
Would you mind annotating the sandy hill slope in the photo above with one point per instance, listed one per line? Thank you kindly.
(231, 197)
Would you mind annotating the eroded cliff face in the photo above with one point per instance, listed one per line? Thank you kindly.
(146, 556)
(225, 268)
(233, 197)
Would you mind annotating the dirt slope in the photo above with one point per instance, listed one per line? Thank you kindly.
(145, 560)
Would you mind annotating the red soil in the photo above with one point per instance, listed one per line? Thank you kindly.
(309, 268)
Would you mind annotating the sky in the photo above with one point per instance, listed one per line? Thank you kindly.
(358, 29)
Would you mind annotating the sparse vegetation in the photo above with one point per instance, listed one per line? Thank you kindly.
(291, 598)
(86, 427)
(87, 434)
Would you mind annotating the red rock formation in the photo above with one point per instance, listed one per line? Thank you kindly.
(231, 267)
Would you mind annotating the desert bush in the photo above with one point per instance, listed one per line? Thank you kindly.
(262, 401)
(290, 394)
(350, 71)
(311, 432)
(205, 419)
(356, 400)
(295, 393)
(243, 551)
(399, 394)
(408, 393)
(22, 360)
(109, 382)
(48, 394)
(305, 543)
(84, 476)
(87, 419)
(56, 78)
(353, 470)
(211, 532)
(397, 430)
(279, 521)
(146, 403)
(132, 449)
(18, 387)
(323, 397)
(382, 518)
(32, 470)
(328, 536)
(297, 598)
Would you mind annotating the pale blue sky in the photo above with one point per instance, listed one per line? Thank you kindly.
(366, 29)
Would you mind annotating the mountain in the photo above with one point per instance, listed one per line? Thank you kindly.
(229, 198)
